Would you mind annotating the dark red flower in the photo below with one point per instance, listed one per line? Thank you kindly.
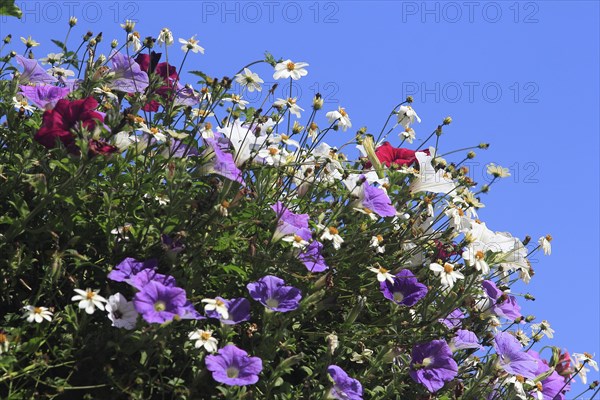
(564, 367)
(444, 251)
(58, 122)
(165, 70)
(97, 147)
(389, 155)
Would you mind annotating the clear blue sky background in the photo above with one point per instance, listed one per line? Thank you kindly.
(523, 76)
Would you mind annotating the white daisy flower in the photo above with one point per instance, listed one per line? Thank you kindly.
(543, 328)
(382, 274)
(204, 339)
(249, 80)
(406, 116)
(216, 305)
(375, 243)
(296, 241)
(544, 241)
(332, 234)
(165, 36)
(89, 300)
(341, 116)
(191, 45)
(236, 99)
(289, 69)
(474, 256)
(497, 171)
(290, 104)
(37, 314)
(448, 276)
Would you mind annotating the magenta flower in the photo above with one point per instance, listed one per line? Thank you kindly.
(289, 223)
(127, 75)
(312, 258)
(44, 96)
(512, 358)
(432, 364)
(129, 267)
(344, 387)
(503, 305)
(158, 303)
(232, 366)
(33, 72)
(271, 292)
(238, 310)
(406, 289)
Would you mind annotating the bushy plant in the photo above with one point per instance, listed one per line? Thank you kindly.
(162, 241)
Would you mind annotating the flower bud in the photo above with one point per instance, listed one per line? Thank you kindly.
(369, 146)
(12, 54)
(114, 43)
(529, 318)
(317, 102)
(471, 155)
(332, 343)
(485, 188)
(484, 146)
(409, 99)
(99, 37)
(529, 297)
(297, 128)
(128, 26)
(7, 39)
(526, 240)
(92, 42)
(447, 121)
(72, 21)
(149, 42)
(87, 36)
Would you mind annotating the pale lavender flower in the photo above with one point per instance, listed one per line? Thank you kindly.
(220, 162)
(127, 75)
(33, 72)
(312, 258)
(289, 223)
(464, 339)
(232, 366)
(512, 358)
(44, 96)
(344, 387)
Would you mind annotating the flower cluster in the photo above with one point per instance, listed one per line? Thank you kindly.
(263, 261)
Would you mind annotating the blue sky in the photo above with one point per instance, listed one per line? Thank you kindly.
(520, 75)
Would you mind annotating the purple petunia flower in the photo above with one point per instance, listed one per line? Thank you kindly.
(464, 339)
(186, 96)
(174, 246)
(178, 149)
(221, 162)
(406, 289)
(432, 364)
(44, 96)
(232, 366)
(503, 305)
(33, 72)
(158, 303)
(312, 258)
(512, 358)
(344, 387)
(553, 387)
(127, 75)
(453, 320)
(376, 200)
(238, 310)
(289, 223)
(187, 311)
(271, 292)
(129, 267)
(141, 279)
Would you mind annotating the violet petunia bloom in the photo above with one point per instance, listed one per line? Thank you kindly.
(289, 223)
(553, 387)
(188, 311)
(512, 358)
(374, 199)
(127, 75)
(186, 96)
(158, 303)
(221, 162)
(141, 279)
(344, 387)
(464, 339)
(129, 267)
(44, 96)
(502, 305)
(238, 310)
(232, 366)
(312, 258)
(406, 289)
(178, 149)
(33, 72)
(271, 292)
(454, 319)
(432, 364)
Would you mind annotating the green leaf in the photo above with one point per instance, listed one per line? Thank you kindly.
(59, 44)
(8, 7)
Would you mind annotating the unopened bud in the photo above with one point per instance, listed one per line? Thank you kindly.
(87, 36)
(485, 188)
(318, 102)
(529, 318)
(149, 42)
(72, 21)
(447, 121)
(92, 42)
(297, 128)
(114, 43)
(409, 99)
(471, 155)
(99, 37)
(7, 39)
(484, 145)
(529, 297)
(526, 240)
(12, 54)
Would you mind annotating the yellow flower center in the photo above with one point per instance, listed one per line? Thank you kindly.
(160, 306)
(290, 66)
(284, 137)
(383, 270)
(342, 111)
(37, 310)
(588, 355)
(479, 255)
(219, 303)
(333, 230)
(367, 210)
(298, 239)
(520, 378)
(273, 151)
(448, 268)
(205, 335)
(89, 294)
